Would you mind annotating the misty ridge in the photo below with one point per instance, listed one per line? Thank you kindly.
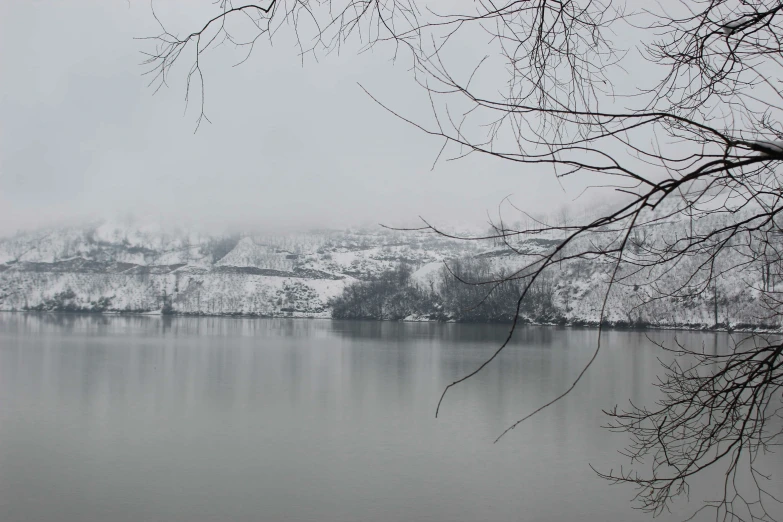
(129, 266)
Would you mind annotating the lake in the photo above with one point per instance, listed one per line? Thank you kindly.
(135, 418)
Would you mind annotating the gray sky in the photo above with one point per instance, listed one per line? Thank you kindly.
(82, 136)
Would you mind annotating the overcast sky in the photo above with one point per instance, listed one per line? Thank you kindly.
(82, 136)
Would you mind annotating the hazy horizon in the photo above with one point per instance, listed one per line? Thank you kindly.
(83, 137)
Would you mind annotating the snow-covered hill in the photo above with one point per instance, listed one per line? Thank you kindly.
(129, 267)
(113, 267)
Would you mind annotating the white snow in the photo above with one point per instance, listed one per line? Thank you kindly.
(772, 148)
(428, 273)
(731, 27)
(248, 253)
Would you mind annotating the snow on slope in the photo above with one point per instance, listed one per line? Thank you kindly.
(248, 253)
(117, 267)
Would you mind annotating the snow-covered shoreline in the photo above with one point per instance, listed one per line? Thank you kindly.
(125, 268)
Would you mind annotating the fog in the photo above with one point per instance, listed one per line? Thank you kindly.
(290, 144)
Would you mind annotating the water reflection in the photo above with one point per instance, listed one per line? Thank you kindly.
(160, 418)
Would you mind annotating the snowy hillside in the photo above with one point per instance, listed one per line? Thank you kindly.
(128, 267)
(112, 267)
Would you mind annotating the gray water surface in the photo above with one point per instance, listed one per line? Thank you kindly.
(133, 419)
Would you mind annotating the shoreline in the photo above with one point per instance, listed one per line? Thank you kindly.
(578, 324)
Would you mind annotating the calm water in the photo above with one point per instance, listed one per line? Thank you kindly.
(211, 419)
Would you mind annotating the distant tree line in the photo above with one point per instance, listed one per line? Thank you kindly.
(450, 296)
(67, 301)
